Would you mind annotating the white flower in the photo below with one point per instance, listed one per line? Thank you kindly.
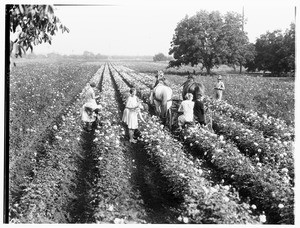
(118, 221)
(110, 208)
(185, 220)
(226, 187)
(55, 127)
(285, 170)
(262, 218)
(221, 137)
(226, 199)
(58, 137)
(253, 206)
(179, 218)
(280, 205)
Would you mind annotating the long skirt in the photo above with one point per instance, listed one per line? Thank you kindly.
(219, 94)
(130, 118)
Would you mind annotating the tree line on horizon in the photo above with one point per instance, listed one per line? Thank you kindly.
(206, 39)
(209, 39)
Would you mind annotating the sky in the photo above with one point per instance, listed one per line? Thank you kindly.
(146, 27)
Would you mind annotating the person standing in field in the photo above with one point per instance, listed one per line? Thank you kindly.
(189, 81)
(219, 88)
(199, 112)
(88, 114)
(89, 94)
(187, 107)
(131, 114)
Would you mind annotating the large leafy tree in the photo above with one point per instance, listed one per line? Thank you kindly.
(239, 50)
(209, 39)
(31, 25)
(288, 50)
(275, 52)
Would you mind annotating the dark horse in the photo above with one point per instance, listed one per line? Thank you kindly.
(194, 88)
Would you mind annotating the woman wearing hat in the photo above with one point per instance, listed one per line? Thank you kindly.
(89, 94)
(89, 114)
(219, 87)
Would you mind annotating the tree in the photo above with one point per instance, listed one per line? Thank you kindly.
(209, 39)
(239, 50)
(159, 57)
(288, 50)
(31, 25)
(275, 52)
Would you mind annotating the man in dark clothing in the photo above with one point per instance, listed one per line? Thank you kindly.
(199, 112)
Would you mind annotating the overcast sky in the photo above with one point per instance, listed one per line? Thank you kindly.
(146, 27)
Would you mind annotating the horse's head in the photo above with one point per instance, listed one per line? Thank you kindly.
(195, 88)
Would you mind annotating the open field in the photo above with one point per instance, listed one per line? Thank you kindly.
(265, 95)
(242, 172)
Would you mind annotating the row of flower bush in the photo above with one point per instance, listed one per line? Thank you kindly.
(38, 93)
(48, 191)
(274, 153)
(38, 100)
(266, 188)
(202, 201)
(269, 151)
(113, 198)
(270, 126)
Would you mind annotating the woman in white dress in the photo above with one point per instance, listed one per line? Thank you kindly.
(131, 113)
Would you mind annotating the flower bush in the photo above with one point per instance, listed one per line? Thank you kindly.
(49, 190)
(250, 177)
(112, 196)
(205, 204)
(40, 95)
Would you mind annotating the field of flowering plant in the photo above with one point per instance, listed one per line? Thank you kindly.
(46, 194)
(239, 172)
(185, 176)
(112, 196)
(40, 96)
(271, 96)
(272, 176)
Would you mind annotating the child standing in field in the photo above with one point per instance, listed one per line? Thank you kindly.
(219, 87)
(187, 107)
(131, 114)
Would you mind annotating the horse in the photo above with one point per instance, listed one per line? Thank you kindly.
(162, 99)
(194, 88)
